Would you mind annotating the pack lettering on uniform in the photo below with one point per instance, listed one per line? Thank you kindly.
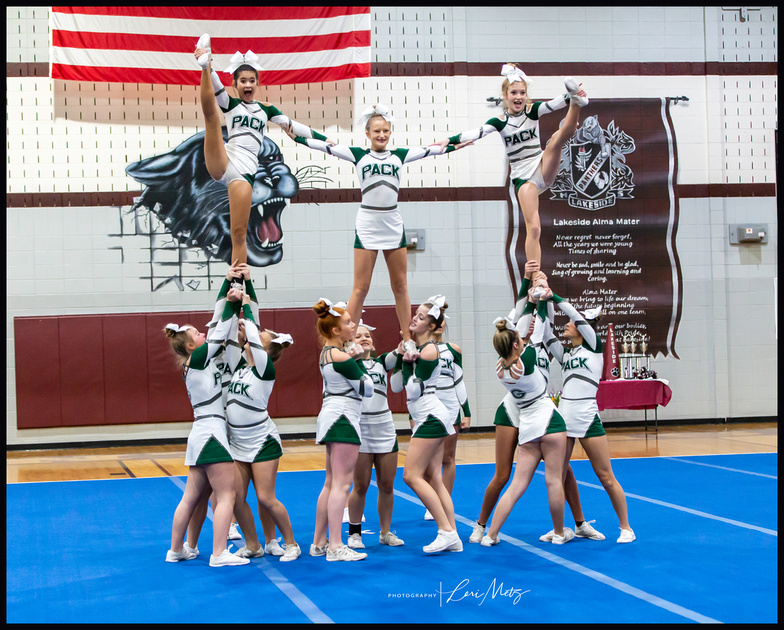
(542, 362)
(379, 379)
(573, 364)
(240, 389)
(522, 136)
(218, 377)
(380, 169)
(447, 365)
(246, 121)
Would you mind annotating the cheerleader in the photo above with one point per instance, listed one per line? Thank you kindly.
(235, 163)
(379, 446)
(379, 224)
(451, 391)
(225, 361)
(533, 170)
(432, 423)
(541, 430)
(506, 423)
(346, 384)
(208, 454)
(582, 369)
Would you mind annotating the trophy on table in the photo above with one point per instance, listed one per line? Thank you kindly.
(636, 357)
(625, 357)
(644, 347)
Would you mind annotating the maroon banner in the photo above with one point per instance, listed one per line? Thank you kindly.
(609, 221)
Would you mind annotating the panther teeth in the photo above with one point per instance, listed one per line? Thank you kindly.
(268, 202)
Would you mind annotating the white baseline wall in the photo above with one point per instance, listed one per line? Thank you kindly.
(60, 260)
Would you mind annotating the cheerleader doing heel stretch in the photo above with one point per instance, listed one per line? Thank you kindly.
(235, 163)
(533, 170)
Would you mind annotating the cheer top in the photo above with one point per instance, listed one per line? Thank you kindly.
(581, 365)
(347, 379)
(251, 386)
(377, 369)
(520, 133)
(246, 122)
(529, 385)
(450, 383)
(202, 379)
(379, 172)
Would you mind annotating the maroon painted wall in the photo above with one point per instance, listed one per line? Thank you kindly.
(119, 368)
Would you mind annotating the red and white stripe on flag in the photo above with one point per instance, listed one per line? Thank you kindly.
(156, 44)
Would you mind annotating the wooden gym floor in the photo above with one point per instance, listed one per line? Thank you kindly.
(473, 448)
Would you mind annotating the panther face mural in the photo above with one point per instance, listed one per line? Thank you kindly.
(195, 208)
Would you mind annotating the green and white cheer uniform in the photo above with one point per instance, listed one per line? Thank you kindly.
(581, 367)
(420, 378)
(377, 428)
(346, 384)
(379, 225)
(521, 140)
(527, 404)
(208, 441)
(450, 388)
(253, 435)
(247, 123)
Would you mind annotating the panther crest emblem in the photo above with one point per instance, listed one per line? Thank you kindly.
(593, 172)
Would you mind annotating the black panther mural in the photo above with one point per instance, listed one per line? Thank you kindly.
(194, 208)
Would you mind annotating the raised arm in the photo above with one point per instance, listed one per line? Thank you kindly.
(417, 153)
(583, 327)
(550, 341)
(490, 127)
(299, 129)
(218, 335)
(260, 357)
(233, 349)
(350, 154)
(221, 97)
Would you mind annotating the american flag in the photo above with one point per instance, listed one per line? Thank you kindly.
(156, 44)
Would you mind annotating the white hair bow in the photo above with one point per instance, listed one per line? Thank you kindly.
(332, 307)
(178, 329)
(438, 302)
(283, 338)
(380, 109)
(592, 313)
(513, 74)
(238, 59)
(509, 324)
(361, 323)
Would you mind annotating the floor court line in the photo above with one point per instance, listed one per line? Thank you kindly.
(590, 573)
(737, 470)
(680, 508)
(297, 597)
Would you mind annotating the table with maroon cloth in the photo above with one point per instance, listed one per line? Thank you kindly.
(644, 394)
